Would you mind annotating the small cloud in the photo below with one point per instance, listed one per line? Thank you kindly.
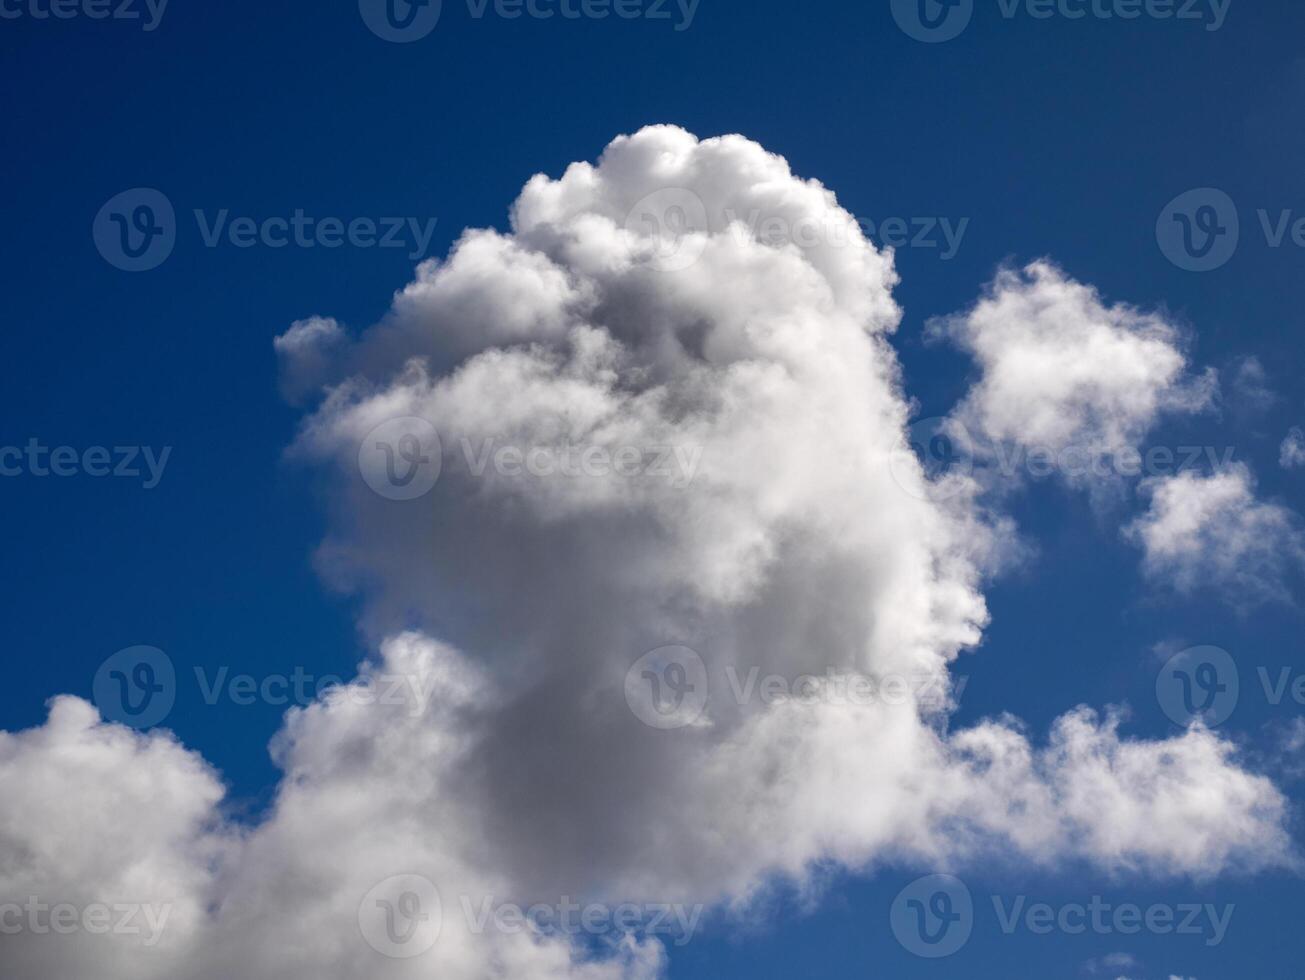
(1214, 532)
(308, 352)
(1249, 391)
(1111, 964)
(1292, 454)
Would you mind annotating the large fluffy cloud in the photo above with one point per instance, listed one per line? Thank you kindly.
(96, 814)
(663, 411)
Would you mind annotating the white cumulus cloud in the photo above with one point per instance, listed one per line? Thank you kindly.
(781, 535)
(1066, 374)
(1212, 531)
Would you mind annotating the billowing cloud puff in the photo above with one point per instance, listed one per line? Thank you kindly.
(1211, 531)
(93, 815)
(1062, 372)
(606, 482)
(306, 352)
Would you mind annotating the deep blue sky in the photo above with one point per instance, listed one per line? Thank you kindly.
(1053, 137)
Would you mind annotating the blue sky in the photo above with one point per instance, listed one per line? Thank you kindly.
(1039, 137)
